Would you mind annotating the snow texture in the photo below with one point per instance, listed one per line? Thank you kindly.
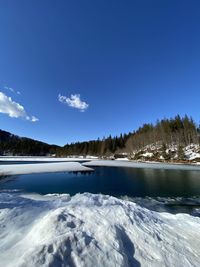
(132, 164)
(16, 169)
(93, 230)
(147, 154)
(45, 159)
(192, 152)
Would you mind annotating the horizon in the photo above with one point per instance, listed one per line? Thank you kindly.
(101, 138)
(73, 72)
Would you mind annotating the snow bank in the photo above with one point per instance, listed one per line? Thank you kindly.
(122, 159)
(15, 169)
(93, 230)
(45, 159)
(131, 164)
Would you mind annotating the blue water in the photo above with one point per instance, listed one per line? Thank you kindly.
(156, 189)
(112, 181)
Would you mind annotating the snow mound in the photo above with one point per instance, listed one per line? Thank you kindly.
(93, 230)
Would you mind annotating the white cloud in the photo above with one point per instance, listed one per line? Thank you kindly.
(13, 109)
(34, 119)
(12, 90)
(74, 101)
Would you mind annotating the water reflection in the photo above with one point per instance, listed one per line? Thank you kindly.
(112, 181)
(81, 172)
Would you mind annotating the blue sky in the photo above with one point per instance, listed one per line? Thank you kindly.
(123, 63)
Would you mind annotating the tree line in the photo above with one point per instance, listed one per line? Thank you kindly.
(104, 147)
(14, 145)
(175, 131)
(181, 131)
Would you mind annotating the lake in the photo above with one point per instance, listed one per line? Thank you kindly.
(116, 181)
(142, 185)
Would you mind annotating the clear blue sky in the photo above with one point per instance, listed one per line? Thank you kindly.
(131, 61)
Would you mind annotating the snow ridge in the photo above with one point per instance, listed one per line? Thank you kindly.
(93, 230)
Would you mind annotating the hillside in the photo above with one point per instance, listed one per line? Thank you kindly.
(14, 145)
(171, 153)
(176, 139)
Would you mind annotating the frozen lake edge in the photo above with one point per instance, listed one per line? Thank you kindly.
(146, 165)
(17, 169)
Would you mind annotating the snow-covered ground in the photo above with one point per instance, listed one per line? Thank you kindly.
(15, 169)
(191, 152)
(45, 159)
(147, 154)
(132, 164)
(93, 230)
(122, 159)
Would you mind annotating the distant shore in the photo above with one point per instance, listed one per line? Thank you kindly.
(80, 164)
(137, 164)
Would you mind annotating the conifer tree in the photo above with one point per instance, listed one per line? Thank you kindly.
(181, 154)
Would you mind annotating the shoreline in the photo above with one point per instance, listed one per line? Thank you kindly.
(45, 159)
(84, 164)
(88, 158)
(18, 169)
(136, 164)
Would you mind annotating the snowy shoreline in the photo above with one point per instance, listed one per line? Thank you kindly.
(17, 169)
(76, 165)
(93, 230)
(133, 164)
(45, 159)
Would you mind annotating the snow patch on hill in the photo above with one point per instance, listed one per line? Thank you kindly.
(155, 152)
(192, 152)
(93, 230)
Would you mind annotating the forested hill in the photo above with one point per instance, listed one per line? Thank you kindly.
(175, 131)
(166, 139)
(14, 145)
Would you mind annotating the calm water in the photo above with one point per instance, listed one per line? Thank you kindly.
(113, 181)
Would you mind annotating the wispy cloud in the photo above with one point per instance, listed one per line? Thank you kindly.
(12, 90)
(74, 101)
(13, 109)
(33, 119)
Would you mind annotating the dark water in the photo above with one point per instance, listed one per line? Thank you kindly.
(157, 189)
(112, 181)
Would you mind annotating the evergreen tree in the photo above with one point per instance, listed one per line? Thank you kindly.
(181, 154)
(164, 153)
